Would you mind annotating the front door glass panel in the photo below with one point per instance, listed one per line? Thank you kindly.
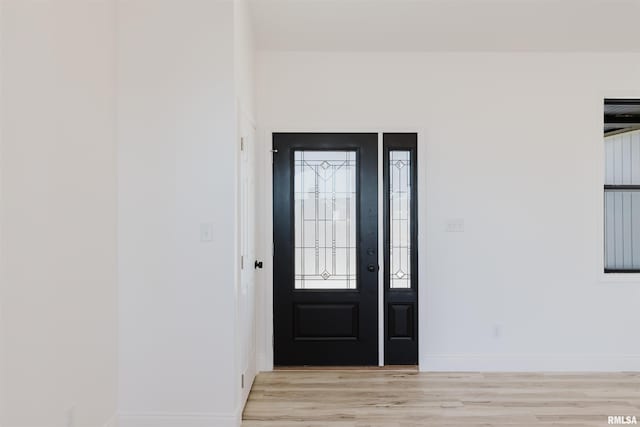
(325, 219)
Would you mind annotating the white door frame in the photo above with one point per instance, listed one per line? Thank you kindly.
(248, 240)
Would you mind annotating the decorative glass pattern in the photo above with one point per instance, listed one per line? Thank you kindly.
(325, 219)
(400, 219)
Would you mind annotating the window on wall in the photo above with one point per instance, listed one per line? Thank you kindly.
(622, 185)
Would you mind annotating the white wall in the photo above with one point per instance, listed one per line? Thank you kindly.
(244, 52)
(58, 194)
(512, 144)
(171, 82)
(183, 77)
(178, 153)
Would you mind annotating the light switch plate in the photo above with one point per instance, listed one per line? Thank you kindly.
(206, 232)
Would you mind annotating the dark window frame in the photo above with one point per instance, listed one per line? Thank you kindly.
(612, 188)
(625, 121)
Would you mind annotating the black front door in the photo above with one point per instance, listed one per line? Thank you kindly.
(325, 210)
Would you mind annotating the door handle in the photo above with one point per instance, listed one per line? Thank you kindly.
(372, 268)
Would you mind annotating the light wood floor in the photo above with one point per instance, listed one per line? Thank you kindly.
(352, 398)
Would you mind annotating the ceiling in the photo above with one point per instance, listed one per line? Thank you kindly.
(447, 25)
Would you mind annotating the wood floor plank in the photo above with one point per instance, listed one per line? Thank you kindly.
(406, 398)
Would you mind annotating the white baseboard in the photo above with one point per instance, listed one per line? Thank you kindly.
(530, 362)
(180, 420)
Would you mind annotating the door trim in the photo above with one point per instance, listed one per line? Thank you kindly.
(265, 315)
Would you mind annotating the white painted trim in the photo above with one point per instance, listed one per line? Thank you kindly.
(381, 271)
(531, 362)
(244, 113)
(619, 278)
(180, 419)
(247, 161)
(423, 202)
(3, 381)
(265, 351)
(265, 356)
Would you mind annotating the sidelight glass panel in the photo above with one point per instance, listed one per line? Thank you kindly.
(325, 219)
(400, 219)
